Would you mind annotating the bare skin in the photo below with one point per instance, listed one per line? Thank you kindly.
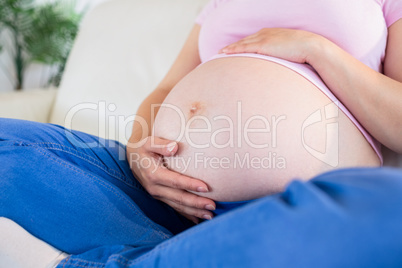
(243, 136)
(344, 75)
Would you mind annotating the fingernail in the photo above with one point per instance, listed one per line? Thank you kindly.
(224, 50)
(209, 207)
(207, 217)
(202, 190)
(171, 146)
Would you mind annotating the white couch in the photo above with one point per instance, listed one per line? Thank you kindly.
(123, 50)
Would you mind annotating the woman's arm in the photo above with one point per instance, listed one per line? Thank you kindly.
(373, 98)
(185, 62)
(163, 184)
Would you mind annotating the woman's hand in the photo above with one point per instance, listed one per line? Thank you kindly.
(287, 44)
(146, 162)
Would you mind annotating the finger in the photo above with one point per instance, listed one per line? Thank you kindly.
(236, 48)
(251, 46)
(184, 198)
(244, 41)
(176, 180)
(160, 146)
(250, 39)
(189, 211)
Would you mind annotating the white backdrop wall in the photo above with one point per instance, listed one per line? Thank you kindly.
(36, 75)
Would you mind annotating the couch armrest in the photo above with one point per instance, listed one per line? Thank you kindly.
(33, 105)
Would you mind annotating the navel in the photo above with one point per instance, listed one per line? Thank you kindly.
(195, 108)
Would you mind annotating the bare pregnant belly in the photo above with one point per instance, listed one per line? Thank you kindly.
(247, 127)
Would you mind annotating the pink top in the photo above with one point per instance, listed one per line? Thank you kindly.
(357, 26)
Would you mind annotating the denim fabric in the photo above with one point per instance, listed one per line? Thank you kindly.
(84, 201)
(223, 207)
(344, 218)
(74, 197)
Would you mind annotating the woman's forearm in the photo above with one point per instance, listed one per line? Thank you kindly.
(373, 98)
(148, 109)
(186, 61)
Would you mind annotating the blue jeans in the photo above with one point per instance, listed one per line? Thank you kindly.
(84, 200)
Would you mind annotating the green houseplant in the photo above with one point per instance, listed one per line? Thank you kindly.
(37, 33)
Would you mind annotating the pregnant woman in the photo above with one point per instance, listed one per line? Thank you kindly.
(253, 97)
(262, 93)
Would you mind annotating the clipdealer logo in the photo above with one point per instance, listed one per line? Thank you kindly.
(330, 155)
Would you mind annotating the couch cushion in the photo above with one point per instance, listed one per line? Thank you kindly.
(123, 50)
(20, 249)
